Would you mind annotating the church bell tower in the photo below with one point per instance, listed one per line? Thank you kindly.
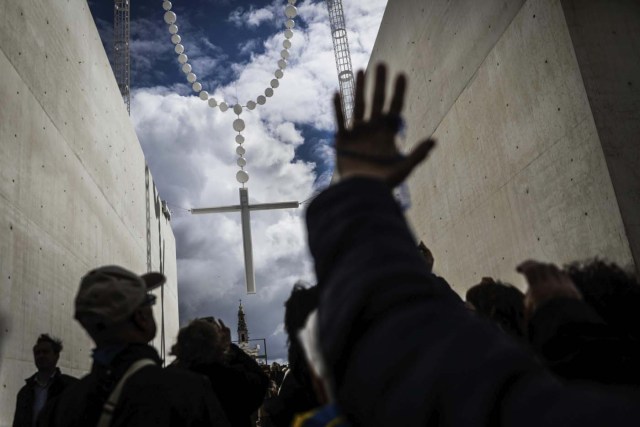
(243, 332)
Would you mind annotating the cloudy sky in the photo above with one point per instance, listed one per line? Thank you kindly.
(233, 47)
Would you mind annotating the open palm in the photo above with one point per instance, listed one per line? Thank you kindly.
(368, 147)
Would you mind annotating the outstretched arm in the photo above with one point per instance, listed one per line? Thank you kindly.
(402, 348)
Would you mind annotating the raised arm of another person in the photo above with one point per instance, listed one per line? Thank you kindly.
(401, 346)
(573, 341)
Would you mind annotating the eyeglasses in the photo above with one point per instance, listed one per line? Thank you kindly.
(149, 299)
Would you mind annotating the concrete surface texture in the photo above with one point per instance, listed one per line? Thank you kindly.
(74, 189)
(537, 128)
(606, 40)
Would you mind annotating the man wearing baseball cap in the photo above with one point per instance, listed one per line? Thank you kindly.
(126, 385)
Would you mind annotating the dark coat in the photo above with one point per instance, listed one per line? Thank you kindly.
(577, 345)
(26, 397)
(239, 383)
(403, 349)
(293, 398)
(151, 397)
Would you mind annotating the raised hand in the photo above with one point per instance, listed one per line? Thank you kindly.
(546, 282)
(368, 147)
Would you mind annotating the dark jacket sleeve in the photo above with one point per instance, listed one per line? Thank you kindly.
(576, 344)
(403, 349)
(24, 407)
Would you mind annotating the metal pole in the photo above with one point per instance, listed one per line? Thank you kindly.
(245, 216)
(266, 355)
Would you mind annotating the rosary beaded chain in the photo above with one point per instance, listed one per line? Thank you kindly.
(170, 18)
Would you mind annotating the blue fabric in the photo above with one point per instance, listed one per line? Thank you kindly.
(328, 415)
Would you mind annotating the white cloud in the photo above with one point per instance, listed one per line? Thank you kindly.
(254, 17)
(191, 151)
(205, 65)
(248, 46)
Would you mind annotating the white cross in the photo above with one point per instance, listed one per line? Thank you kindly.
(244, 207)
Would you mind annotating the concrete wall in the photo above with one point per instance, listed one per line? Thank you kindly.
(520, 170)
(606, 40)
(73, 185)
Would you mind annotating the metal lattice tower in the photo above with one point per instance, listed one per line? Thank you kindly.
(343, 57)
(121, 58)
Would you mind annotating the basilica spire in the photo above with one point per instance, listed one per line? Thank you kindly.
(243, 332)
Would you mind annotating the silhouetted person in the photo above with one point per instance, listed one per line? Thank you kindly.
(44, 385)
(296, 394)
(126, 385)
(570, 336)
(612, 292)
(400, 347)
(500, 302)
(204, 347)
(277, 374)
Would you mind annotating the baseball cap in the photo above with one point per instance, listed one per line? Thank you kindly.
(110, 294)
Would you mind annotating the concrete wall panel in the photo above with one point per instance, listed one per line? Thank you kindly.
(73, 186)
(519, 171)
(606, 39)
(440, 44)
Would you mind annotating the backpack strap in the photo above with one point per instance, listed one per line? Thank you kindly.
(112, 401)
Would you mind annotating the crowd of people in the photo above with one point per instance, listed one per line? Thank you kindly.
(380, 340)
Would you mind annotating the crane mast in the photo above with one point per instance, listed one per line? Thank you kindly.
(121, 59)
(343, 57)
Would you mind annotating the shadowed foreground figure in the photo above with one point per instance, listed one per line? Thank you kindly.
(569, 333)
(612, 292)
(500, 302)
(44, 385)
(114, 307)
(204, 347)
(401, 347)
(296, 394)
